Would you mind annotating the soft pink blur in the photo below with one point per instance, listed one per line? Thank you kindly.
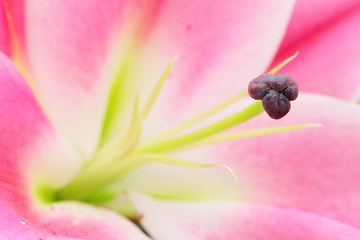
(296, 185)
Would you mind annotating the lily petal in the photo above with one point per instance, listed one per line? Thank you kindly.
(327, 37)
(65, 221)
(309, 16)
(221, 220)
(32, 153)
(29, 143)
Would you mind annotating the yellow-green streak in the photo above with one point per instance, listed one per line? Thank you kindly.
(116, 94)
(110, 158)
(123, 140)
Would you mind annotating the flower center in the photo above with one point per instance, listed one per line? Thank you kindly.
(124, 154)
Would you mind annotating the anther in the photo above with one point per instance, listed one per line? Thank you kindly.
(275, 91)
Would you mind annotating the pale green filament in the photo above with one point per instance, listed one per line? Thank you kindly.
(248, 113)
(156, 90)
(283, 63)
(121, 144)
(226, 137)
(112, 157)
(125, 143)
(134, 126)
(201, 116)
(90, 181)
(117, 95)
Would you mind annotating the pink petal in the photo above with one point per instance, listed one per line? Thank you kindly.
(65, 221)
(230, 221)
(314, 170)
(29, 143)
(61, 221)
(32, 153)
(310, 16)
(327, 36)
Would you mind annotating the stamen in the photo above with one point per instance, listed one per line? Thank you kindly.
(112, 157)
(248, 113)
(135, 122)
(218, 107)
(283, 64)
(201, 116)
(163, 158)
(117, 94)
(156, 90)
(125, 143)
(225, 137)
(79, 189)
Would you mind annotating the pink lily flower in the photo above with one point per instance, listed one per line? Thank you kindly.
(75, 80)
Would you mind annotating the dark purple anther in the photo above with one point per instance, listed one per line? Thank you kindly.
(276, 92)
